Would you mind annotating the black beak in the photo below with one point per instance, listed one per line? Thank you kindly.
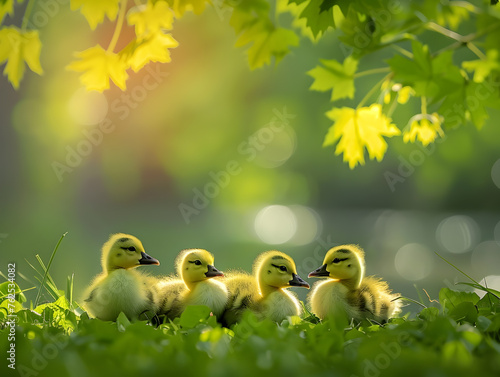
(297, 281)
(212, 272)
(147, 259)
(319, 272)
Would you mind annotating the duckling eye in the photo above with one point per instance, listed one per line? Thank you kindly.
(336, 260)
(132, 248)
(197, 262)
(283, 268)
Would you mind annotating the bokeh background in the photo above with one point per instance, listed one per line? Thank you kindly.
(179, 124)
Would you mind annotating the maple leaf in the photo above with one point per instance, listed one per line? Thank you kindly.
(151, 18)
(483, 67)
(18, 47)
(153, 49)
(267, 41)
(98, 66)
(181, 6)
(95, 10)
(335, 76)
(425, 131)
(355, 129)
(7, 7)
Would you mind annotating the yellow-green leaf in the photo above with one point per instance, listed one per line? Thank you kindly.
(95, 10)
(267, 41)
(335, 76)
(425, 131)
(7, 7)
(483, 67)
(181, 6)
(151, 18)
(356, 129)
(18, 47)
(98, 66)
(153, 49)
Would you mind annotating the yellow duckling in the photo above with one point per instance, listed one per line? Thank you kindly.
(119, 288)
(347, 291)
(266, 292)
(195, 267)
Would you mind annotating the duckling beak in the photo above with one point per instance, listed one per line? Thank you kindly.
(297, 281)
(147, 259)
(212, 271)
(319, 272)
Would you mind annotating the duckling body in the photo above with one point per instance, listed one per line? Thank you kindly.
(278, 305)
(119, 288)
(243, 295)
(330, 298)
(195, 286)
(346, 292)
(266, 292)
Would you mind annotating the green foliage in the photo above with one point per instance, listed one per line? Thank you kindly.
(460, 337)
(454, 75)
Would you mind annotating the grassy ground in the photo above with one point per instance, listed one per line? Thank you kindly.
(457, 336)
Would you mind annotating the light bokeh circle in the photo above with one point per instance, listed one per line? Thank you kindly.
(495, 173)
(87, 108)
(485, 258)
(275, 224)
(458, 234)
(414, 262)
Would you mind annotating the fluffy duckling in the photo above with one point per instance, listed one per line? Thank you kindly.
(195, 267)
(119, 288)
(266, 292)
(347, 291)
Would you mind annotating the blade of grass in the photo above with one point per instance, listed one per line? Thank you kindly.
(459, 270)
(69, 290)
(410, 300)
(456, 268)
(49, 289)
(52, 289)
(47, 270)
(480, 287)
(420, 297)
(33, 267)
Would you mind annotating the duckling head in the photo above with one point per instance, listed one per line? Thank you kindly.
(276, 270)
(196, 265)
(124, 251)
(345, 263)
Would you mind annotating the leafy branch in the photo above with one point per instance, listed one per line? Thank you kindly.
(452, 90)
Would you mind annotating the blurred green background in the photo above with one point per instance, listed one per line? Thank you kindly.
(181, 123)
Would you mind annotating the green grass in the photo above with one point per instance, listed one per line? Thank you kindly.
(457, 336)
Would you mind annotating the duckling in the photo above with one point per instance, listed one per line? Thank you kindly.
(347, 292)
(266, 292)
(119, 288)
(195, 268)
